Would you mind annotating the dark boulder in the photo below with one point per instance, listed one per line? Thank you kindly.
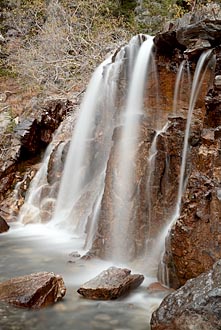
(3, 225)
(196, 305)
(35, 132)
(194, 32)
(33, 291)
(110, 284)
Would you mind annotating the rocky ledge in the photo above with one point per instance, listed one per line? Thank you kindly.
(110, 284)
(196, 305)
(33, 291)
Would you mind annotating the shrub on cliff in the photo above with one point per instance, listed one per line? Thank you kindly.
(59, 44)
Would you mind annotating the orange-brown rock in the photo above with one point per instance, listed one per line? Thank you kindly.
(194, 243)
(110, 284)
(33, 291)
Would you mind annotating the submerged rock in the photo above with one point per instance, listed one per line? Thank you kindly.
(196, 305)
(3, 225)
(156, 287)
(33, 291)
(110, 284)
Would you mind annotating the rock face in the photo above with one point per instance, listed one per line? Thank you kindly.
(156, 168)
(29, 139)
(3, 225)
(35, 133)
(194, 243)
(33, 291)
(110, 284)
(196, 305)
(193, 33)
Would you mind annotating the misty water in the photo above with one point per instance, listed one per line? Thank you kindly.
(34, 248)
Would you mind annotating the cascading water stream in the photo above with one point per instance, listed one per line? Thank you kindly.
(151, 168)
(37, 197)
(90, 173)
(74, 175)
(83, 179)
(196, 86)
(178, 86)
(124, 186)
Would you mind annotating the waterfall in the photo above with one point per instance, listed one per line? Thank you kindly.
(82, 184)
(76, 172)
(197, 83)
(178, 86)
(124, 185)
(77, 204)
(196, 86)
(112, 158)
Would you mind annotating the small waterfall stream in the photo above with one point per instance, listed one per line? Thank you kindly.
(196, 86)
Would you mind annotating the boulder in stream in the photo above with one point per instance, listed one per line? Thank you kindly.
(196, 305)
(110, 284)
(33, 291)
(3, 225)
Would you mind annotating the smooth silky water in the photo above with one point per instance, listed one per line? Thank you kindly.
(35, 248)
(48, 247)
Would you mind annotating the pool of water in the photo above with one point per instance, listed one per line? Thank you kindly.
(35, 248)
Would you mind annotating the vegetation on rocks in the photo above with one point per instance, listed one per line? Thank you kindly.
(53, 46)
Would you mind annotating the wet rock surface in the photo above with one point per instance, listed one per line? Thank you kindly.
(26, 144)
(33, 291)
(111, 284)
(3, 225)
(193, 244)
(35, 132)
(196, 305)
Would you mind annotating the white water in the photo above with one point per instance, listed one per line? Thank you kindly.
(83, 183)
(178, 86)
(34, 248)
(151, 168)
(124, 185)
(46, 247)
(81, 190)
(35, 198)
(74, 175)
(196, 86)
